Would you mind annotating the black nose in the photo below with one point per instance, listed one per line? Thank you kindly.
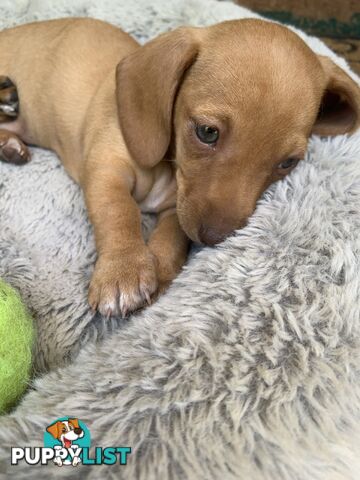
(78, 431)
(210, 235)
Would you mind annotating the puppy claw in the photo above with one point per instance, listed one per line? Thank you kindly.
(147, 297)
(93, 304)
(10, 110)
(129, 303)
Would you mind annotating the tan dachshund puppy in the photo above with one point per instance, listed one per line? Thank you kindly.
(193, 126)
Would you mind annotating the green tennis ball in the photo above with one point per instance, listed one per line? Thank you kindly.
(16, 344)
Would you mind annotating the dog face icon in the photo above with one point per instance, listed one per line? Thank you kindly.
(66, 431)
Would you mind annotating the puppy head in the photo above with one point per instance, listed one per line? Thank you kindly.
(69, 430)
(234, 104)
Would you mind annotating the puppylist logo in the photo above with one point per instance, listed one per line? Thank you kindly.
(67, 443)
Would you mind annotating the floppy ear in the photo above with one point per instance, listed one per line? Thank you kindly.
(74, 422)
(54, 430)
(147, 82)
(340, 106)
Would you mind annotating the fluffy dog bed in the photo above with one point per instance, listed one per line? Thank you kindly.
(248, 368)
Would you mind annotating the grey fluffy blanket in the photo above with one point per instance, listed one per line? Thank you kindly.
(248, 368)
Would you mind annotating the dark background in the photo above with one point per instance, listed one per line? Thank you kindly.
(337, 22)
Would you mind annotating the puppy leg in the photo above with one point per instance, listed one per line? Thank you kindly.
(170, 246)
(12, 149)
(125, 275)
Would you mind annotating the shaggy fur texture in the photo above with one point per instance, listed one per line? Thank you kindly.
(248, 368)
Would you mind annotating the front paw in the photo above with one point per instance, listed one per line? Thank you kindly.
(12, 149)
(123, 282)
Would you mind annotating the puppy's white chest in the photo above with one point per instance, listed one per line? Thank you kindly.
(162, 194)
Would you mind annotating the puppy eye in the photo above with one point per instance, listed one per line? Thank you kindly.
(207, 134)
(290, 162)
